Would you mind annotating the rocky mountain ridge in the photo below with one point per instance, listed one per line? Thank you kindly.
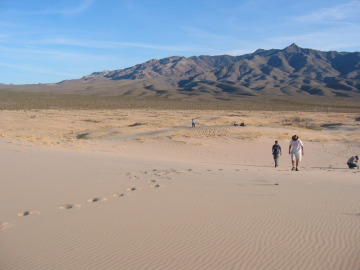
(289, 71)
(292, 71)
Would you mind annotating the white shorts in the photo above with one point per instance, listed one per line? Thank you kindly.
(296, 156)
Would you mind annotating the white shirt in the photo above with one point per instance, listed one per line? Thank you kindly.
(296, 146)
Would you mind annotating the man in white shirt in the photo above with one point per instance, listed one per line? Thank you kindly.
(296, 150)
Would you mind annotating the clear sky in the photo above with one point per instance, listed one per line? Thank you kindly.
(44, 41)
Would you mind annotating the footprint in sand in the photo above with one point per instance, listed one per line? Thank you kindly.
(131, 189)
(28, 213)
(152, 181)
(132, 176)
(97, 200)
(155, 185)
(69, 206)
(118, 195)
(4, 226)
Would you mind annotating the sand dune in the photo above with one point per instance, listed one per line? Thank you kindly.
(141, 189)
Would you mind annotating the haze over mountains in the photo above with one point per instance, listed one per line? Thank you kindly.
(292, 71)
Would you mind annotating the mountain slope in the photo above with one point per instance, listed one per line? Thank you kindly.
(292, 71)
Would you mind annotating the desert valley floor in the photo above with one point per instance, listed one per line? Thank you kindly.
(141, 189)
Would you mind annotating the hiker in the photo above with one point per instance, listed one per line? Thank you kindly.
(242, 124)
(193, 123)
(276, 151)
(353, 162)
(296, 150)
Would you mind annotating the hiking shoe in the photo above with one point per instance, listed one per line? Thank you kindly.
(293, 168)
(296, 169)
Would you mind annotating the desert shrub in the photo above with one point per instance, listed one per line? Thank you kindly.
(300, 122)
(82, 136)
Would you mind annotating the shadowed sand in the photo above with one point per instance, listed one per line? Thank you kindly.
(141, 189)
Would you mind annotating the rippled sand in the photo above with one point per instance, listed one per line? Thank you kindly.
(141, 189)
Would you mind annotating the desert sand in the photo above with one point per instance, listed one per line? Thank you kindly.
(141, 189)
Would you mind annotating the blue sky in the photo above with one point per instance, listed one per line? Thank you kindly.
(45, 41)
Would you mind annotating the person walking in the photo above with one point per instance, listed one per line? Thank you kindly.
(276, 151)
(193, 123)
(296, 150)
(353, 162)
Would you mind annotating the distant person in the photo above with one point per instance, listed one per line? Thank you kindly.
(193, 123)
(276, 151)
(296, 150)
(353, 162)
(235, 124)
(242, 124)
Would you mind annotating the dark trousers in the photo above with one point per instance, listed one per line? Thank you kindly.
(276, 159)
(352, 165)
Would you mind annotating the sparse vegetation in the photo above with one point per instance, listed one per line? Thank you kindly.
(92, 121)
(82, 136)
(45, 101)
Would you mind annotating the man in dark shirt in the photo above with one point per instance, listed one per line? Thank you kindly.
(276, 151)
(353, 162)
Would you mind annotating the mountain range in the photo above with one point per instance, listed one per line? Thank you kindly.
(292, 71)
